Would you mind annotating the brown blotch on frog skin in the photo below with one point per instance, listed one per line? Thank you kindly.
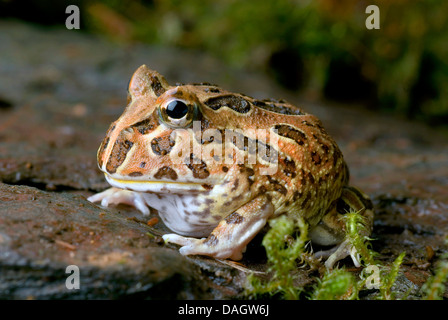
(235, 185)
(234, 218)
(118, 155)
(292, 133)
(306, 200)
(212, 90)
(316, 158)
(233, 102)
(277, 106)
(274, 185)
(297, 194)
(166, 172)
(207, 187)
(204, 213)
(162, 145)
(211, 240)
(199, 170)
(135, 174)
(311, 178)
(144, 126)
(157, 86)
(290, 168)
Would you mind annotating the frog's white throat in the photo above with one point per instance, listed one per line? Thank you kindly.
(176, 203)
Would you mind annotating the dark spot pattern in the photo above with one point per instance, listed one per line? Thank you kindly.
(243, 143)
(146, 126)
(212, 90)
(211, 240)
(289, 168)
(316, 158)
(234, 218)
(278, 107)
(207, 186)
(135, 174)
(233, 102)
(162, 145)
(199, 169)
(157, 86)
(208, 84)
(166, 172)
(291, 133)
(210, 135)
(274, 185)
(306, 200)
(118, 154)
(297, 194)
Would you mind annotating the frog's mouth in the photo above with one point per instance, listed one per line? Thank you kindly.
(157, 186)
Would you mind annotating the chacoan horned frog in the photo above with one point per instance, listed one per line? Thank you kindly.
(218, 165)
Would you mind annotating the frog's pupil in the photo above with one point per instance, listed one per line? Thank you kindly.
(176, 109)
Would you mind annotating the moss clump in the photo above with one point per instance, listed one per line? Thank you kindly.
(338, 284)
(356, 227)
(282, 252)
(389, 277)
(374, 275)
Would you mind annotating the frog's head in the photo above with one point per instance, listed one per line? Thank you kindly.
(154, 144)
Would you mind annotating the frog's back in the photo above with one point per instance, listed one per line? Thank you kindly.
(311, 169)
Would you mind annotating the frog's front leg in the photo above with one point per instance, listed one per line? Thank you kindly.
(231, 235)
(331, 229)
(116, 196)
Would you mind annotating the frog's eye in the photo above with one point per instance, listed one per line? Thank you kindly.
(176, 113)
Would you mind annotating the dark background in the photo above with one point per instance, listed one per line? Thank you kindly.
(319, 48)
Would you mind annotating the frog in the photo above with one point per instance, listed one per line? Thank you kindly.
(218, 166)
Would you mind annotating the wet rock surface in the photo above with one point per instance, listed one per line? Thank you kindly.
(60, 90)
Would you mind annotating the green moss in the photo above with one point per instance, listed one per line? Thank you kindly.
(282, 252)
(434, 288)
(388, 278)
(338, 284)
(356, 227)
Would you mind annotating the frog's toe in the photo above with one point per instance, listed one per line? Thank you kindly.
(179, 240)
(342, 251)
(205, 246)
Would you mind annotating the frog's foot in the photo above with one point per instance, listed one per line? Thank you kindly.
(229, 239)
(114, 196)
(331, 229)
(339, 252)
(205, 246)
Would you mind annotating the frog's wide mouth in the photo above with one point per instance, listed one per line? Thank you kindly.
(157, 186)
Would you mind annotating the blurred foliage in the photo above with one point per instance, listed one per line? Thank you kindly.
(321, 47)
